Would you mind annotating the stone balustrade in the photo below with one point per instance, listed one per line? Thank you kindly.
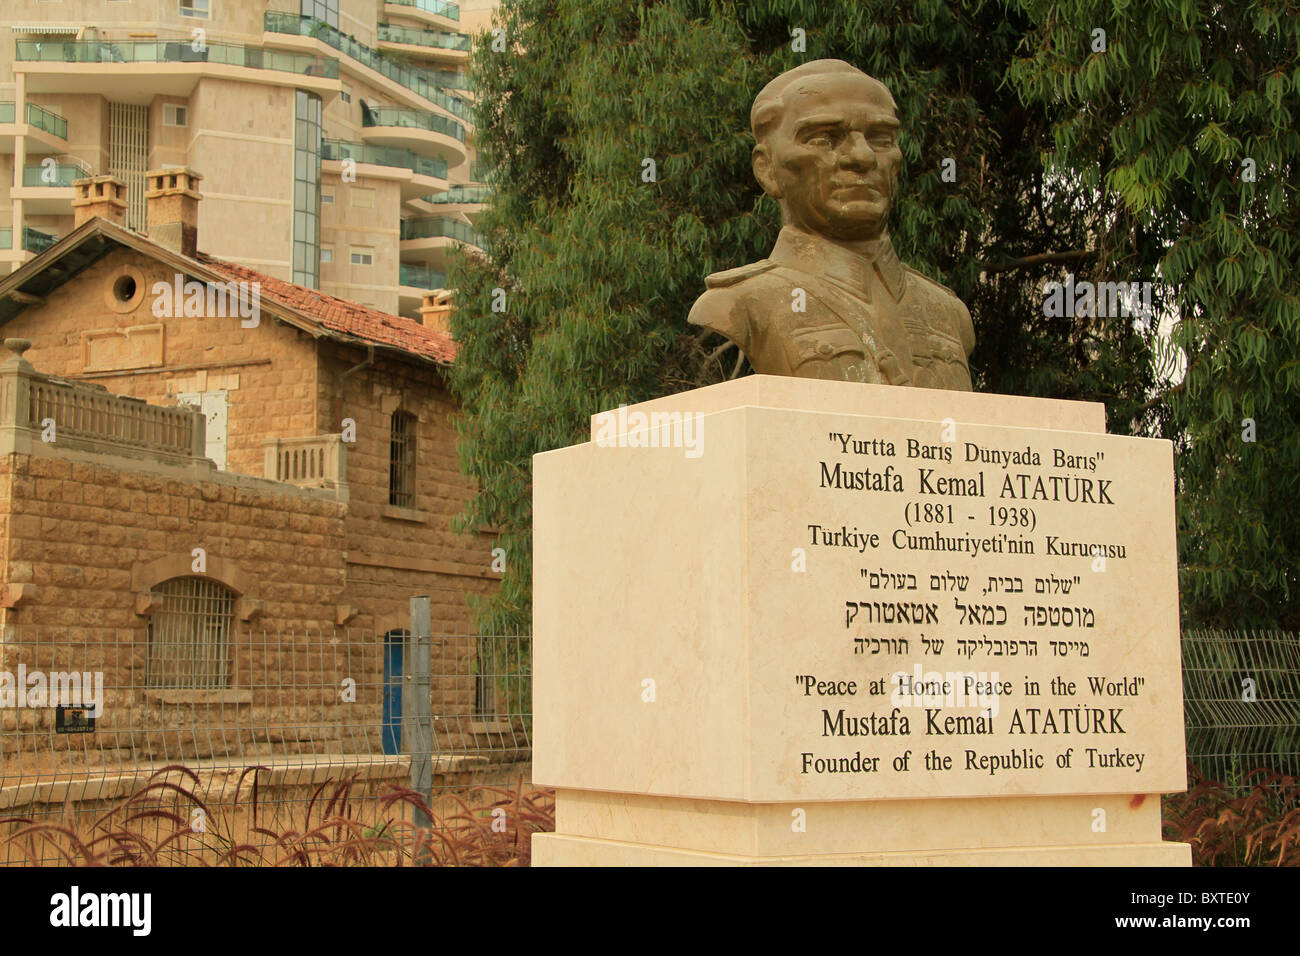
(38, 409)
(312, 461)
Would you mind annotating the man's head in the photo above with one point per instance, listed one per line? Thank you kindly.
(827, 149)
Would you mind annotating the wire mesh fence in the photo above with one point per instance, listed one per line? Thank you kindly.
(1241, 693)
(289, 729)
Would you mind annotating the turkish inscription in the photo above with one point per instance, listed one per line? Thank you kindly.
(990, 625)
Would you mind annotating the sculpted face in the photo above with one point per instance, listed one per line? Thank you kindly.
(833, 159)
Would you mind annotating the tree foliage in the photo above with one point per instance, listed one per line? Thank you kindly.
(1189, 120)
(598, 267)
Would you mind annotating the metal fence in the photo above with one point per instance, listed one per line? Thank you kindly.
(95, 752)
(1242, 703)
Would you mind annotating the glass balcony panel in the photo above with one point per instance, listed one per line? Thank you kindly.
(421, 82)
(464, 194)
(383, 156)
(422, 277)
(392, 33)
(438, 8)
(413, 119)
(36, 241)
(436, 227)
(54, 174)
(174, 51)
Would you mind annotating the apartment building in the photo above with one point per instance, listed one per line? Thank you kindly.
(335, 137)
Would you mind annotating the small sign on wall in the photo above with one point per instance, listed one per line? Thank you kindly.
(73, 720)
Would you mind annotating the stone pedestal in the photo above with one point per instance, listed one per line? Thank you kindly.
(783, 621)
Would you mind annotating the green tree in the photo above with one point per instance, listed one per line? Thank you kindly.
(593, 268)
(1188, 119)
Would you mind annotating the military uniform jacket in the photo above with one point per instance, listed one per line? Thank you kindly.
(815, 309)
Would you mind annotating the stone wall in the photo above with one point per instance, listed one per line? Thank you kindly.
(395, 553)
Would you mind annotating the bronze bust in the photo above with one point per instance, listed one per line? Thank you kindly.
(833, 301)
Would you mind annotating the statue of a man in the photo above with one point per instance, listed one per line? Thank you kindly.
(832, 301)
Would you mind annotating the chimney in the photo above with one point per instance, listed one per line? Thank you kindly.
(172, 205)
(435, 309)
(102, 196)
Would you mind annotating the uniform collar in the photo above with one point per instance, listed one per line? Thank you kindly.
(820, 256)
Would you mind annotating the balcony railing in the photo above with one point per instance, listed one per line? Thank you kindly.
(422, 277)
(439, 8)
(37, 116)
(464, 194)
(176, 51)
(36, 241)
(316, 461)
(33, 240)
(55, 174)
(413, 119)
(421, 82)
(90, 416)
(436, 227)
(392, 33)
(383, 156)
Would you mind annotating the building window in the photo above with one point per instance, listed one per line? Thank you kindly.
(326, 255)
(345, 95)
(196, 8)
(174, 115)
(401, 461)
(306, 189)
(189, 635)
(327, 199)
(362, 257)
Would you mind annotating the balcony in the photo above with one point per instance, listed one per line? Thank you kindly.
(422, 277)
(89, 418)
(168, 67)
(439, 227)
(46, 131)
(33, 241)
(421, 172)
(430, 134)
(421, 82)
(459, 202)
(426, 241)
(437, 12)
(316, 461)
(55, 174)
(437, 45)
(464, 195)
(415, 280)
(47, 185)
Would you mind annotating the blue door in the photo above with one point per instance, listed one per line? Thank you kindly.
(392, 730)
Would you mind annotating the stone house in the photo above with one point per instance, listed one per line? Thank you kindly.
(193, 453)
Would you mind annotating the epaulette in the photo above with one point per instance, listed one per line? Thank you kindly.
(926, 278)
(720, 280)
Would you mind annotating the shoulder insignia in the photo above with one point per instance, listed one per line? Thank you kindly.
(926, 279)
(729, 277)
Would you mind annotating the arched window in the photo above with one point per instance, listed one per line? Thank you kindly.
(189, 634)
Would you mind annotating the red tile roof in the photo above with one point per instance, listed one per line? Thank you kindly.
(340, 315)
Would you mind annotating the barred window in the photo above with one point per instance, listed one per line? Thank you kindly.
(401, 461)
(189, 635)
